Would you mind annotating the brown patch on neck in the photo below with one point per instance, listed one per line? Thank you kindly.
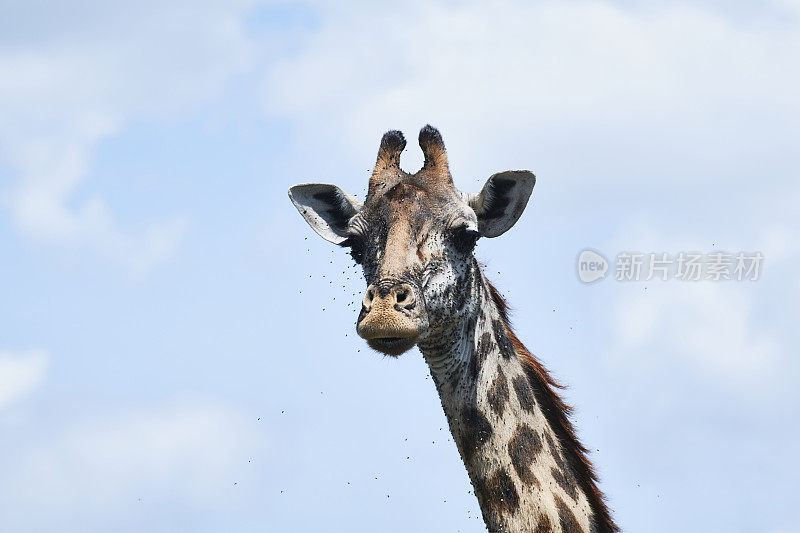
(499, 493)
(557, 414)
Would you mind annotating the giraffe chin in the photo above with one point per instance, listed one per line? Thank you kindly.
(393, 346)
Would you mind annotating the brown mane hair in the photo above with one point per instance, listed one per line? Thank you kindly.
(557, 414)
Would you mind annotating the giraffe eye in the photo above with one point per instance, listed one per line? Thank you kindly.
(464, 239)
(356, 245)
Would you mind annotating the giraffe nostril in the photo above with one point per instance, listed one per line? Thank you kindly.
(404, 297)
(369, 296)
(389, 292)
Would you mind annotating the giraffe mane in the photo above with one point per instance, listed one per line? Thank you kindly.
(557, 414)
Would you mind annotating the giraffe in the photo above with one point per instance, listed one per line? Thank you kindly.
(414, 236)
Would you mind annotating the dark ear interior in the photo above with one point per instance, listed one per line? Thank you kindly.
(326, 208)
(501, 201)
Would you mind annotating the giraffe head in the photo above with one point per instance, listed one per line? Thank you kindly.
(414, 236)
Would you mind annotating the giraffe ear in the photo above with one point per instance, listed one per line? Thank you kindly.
(502, 201)
(326, 208)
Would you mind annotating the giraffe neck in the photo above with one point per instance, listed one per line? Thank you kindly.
(513, 455)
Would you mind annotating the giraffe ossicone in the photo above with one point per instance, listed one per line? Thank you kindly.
(414, 236)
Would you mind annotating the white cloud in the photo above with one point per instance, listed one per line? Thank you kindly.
(706, 327)
(187, 452)
(71, 77)
(511, 78)
(712, 338)
(20, 374)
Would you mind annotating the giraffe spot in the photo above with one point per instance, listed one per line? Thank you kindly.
(523, 448)
(543, 524)
(448, 294)
(555, 451)
(566, 483)
(499, 493)
(455, 377)
(569, 524)
(473, 320)
(498, 393)
(484, 347)
(462, 296)
(501, 337)
(524, 393)
(477, 431)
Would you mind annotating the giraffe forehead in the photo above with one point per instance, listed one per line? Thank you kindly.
(402, 199)
(408, 201)
(415, 205)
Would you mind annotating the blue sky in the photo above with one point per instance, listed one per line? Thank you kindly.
(178, 348)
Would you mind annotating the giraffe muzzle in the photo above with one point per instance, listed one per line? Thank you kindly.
(392, 318)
